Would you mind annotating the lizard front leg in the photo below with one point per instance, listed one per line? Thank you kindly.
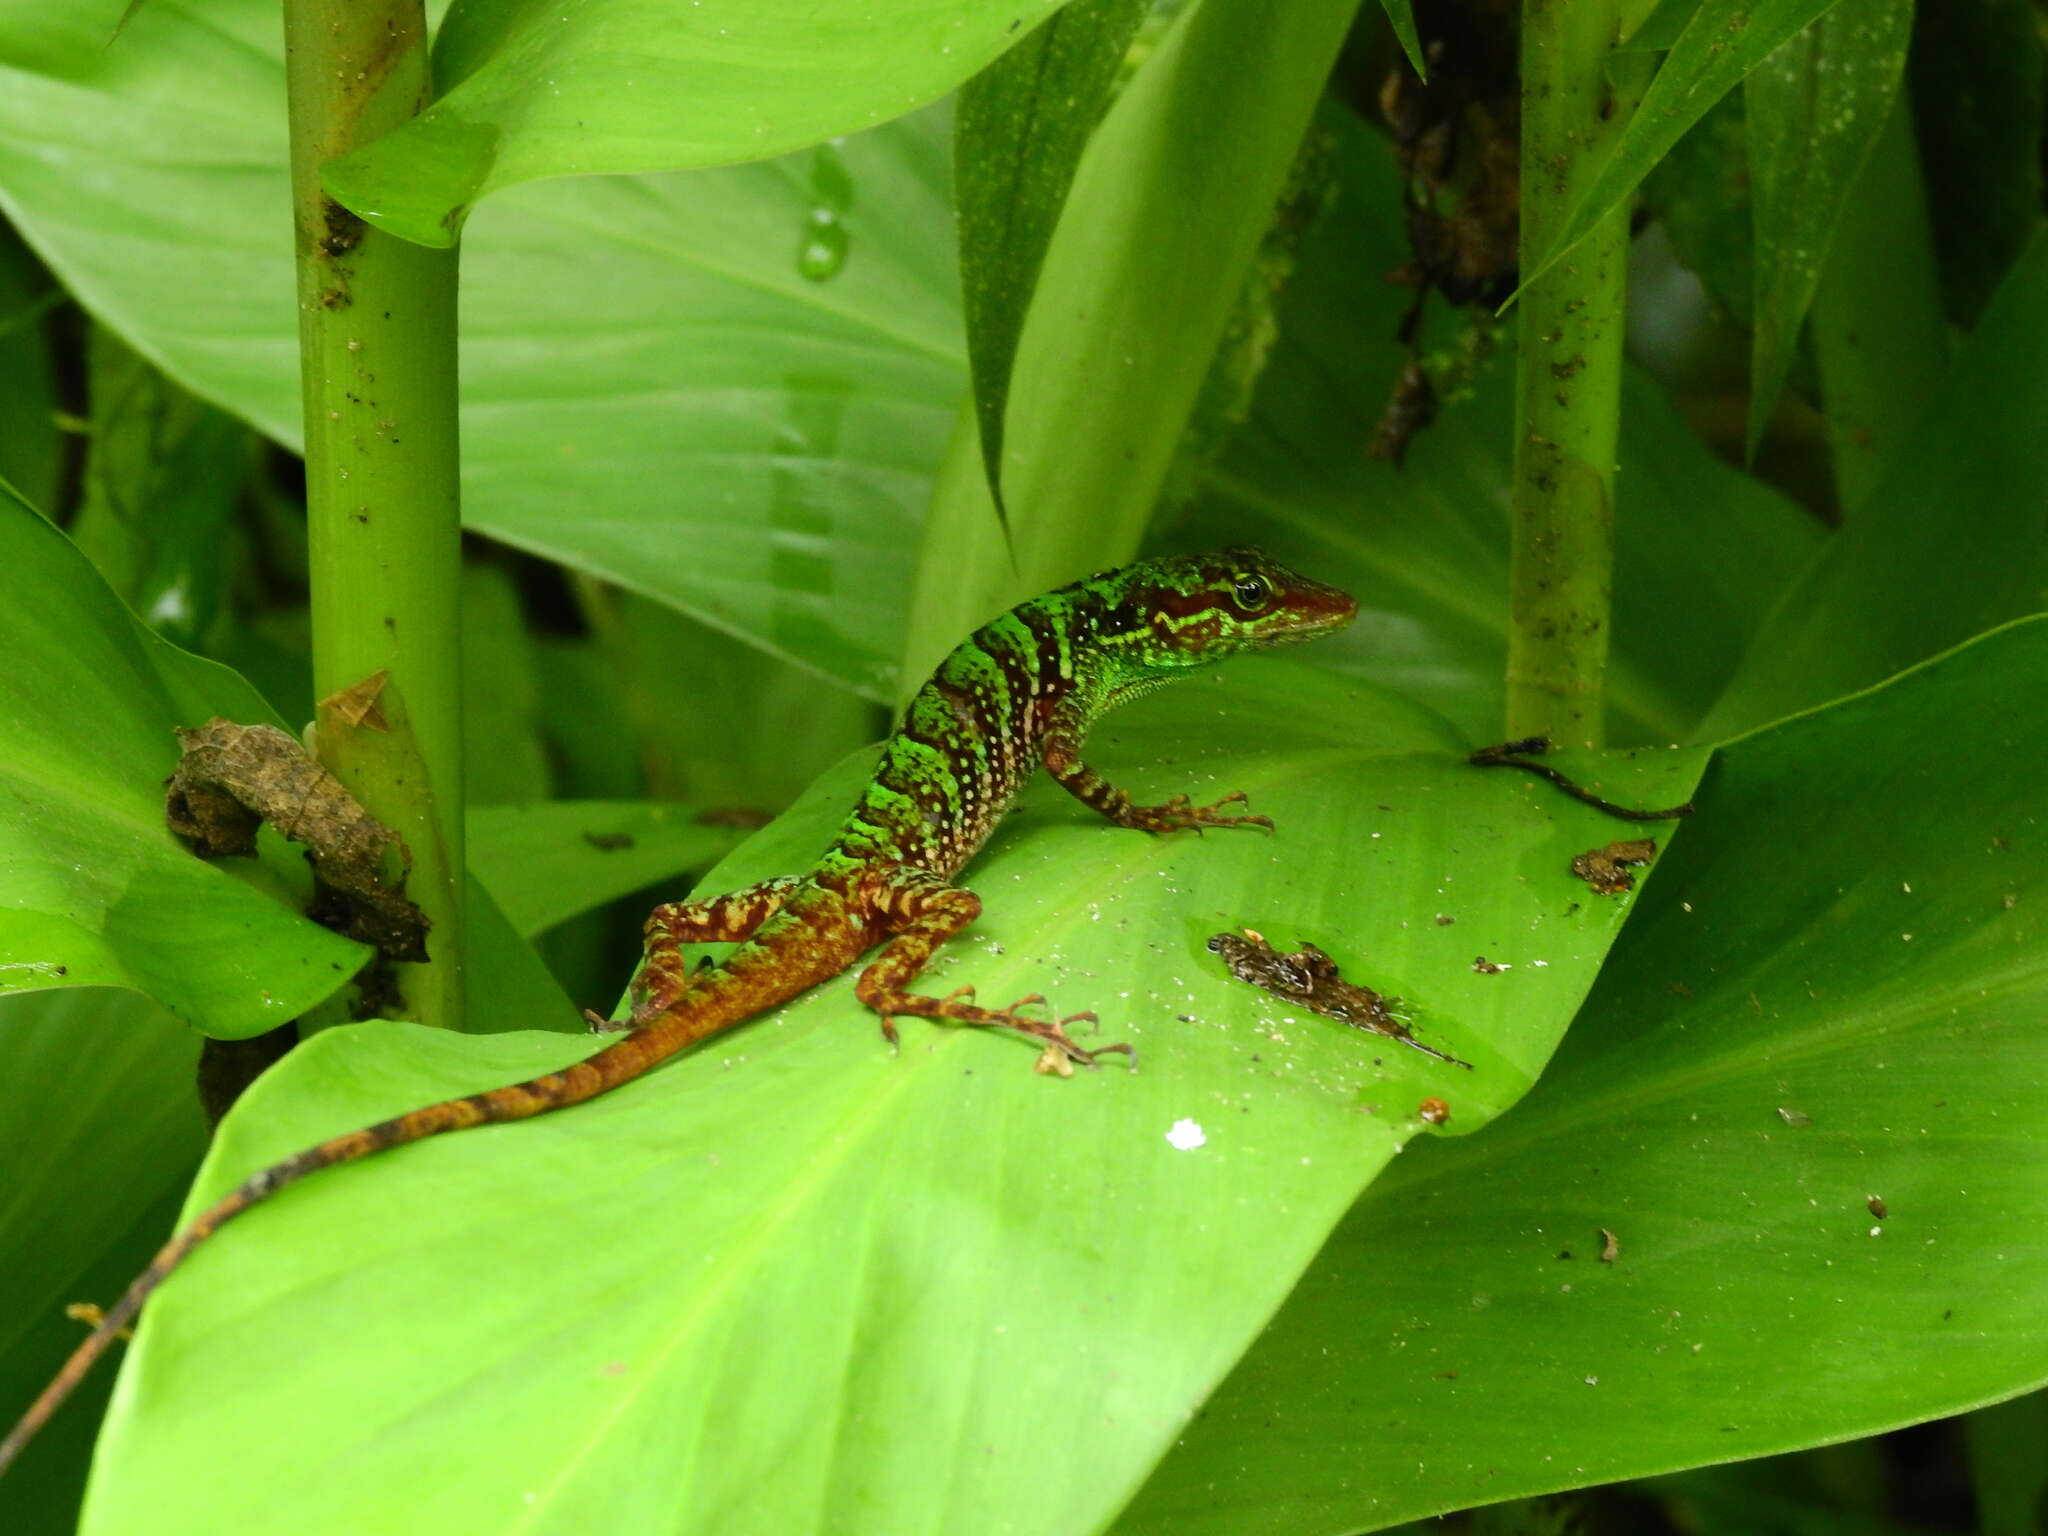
(1061, 754)
(922, 913)
(664, 974)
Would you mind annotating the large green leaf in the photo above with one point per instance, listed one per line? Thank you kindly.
(654, 389)
(1949, 543)
(94, 889)
(572, 87)
(1700, 550)
(765, 1287)
(1815, 107)
(722, 433)
(1723, 40)
(1022, 124)
(1153, 250)
(1837, 990)
(99, 1132)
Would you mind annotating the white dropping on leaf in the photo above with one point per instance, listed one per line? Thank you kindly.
(1185, 1136)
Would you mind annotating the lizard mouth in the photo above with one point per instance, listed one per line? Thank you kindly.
(1313, 609)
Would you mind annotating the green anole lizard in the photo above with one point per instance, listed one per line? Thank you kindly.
(1020, 692)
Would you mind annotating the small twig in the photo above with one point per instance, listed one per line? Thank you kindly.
(1510, 754)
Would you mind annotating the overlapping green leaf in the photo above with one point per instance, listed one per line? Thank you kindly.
(1815, 107)
(1839, 1489)
(1661, 28)
(1976, 92)
(506, 985)
(1949, 542)
(1022, 124)
(1699, 195)
(546, 862)
(1701, 551)
(29, 441)
(1024, 1269)
(503, 755)
(1153, 252)
(655, 392)
(1401, 17)
(716, 721)
(99, 1132)
(575, 87)
(94, 889)
(1836, 993)
(2006, 1474)
(1723, 41)
(162, 475)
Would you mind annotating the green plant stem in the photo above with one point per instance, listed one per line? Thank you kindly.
(1568, 371)
(1878, 332)
(377, 343)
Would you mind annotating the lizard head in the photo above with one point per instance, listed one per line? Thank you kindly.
(1190, 609)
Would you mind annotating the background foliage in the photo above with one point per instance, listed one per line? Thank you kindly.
(729, 428)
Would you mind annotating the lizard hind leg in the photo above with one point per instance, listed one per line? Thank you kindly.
(664, 973)
(923, 913)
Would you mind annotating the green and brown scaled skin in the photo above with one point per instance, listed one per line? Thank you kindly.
(1021, 692)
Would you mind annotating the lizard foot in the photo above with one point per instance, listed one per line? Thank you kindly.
(600, 1025)
(958, 1007)
(1177, 814)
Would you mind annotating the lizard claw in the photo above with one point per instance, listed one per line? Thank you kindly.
(1178, 814)
(956, 1008)
(1056, 1037)
(1087, 1058)
(1236, 797)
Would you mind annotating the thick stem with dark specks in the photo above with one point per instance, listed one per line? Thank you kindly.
(1568, 385)
(377, 339)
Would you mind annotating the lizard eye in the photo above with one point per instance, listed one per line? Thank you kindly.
(1251, 592)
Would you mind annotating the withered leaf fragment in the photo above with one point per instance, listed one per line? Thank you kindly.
(357, 703)
(1311, 978)
(233, 778)
(1607, 869)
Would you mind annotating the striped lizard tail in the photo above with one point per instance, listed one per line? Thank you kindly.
(654, 1041)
